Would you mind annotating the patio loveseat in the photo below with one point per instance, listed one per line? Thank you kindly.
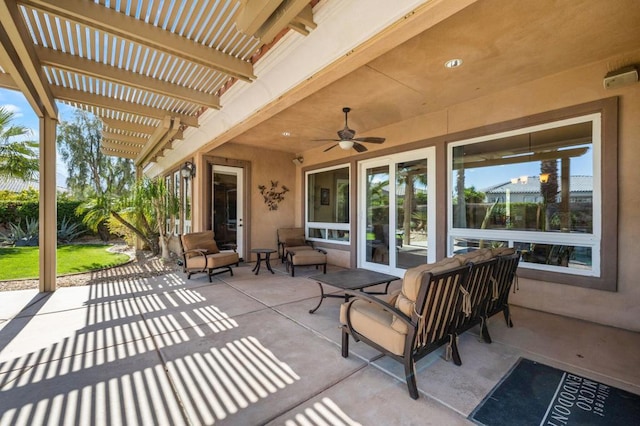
(436, 303)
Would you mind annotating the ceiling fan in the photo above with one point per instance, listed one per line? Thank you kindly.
(347, 140)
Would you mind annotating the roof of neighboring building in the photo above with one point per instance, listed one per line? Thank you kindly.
(532, 185)
(18, 185)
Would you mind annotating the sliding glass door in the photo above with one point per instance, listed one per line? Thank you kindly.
(394, 206)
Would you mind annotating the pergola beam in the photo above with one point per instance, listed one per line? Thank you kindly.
(254, 13)
(163, 134)
(98, 101)
(124, 138)
(135, 149)
(105, 19)
(20, 60)
(117, 153)
(78, 65)
(303, 20)
(6, 82)
(286, 13)
(128, 126)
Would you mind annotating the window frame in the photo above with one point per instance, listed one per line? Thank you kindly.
(603, 239)
(327, 226)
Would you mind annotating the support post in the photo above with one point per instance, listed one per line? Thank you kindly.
(48, 215)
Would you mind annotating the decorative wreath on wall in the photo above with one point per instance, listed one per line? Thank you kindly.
(273, 195)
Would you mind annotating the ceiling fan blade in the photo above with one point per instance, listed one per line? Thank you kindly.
(331, 147)
(325, 140)
(359, 147)
(370, 139)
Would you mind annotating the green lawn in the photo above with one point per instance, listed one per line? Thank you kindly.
(22, 262)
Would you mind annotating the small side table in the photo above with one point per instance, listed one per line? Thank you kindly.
(262, 255)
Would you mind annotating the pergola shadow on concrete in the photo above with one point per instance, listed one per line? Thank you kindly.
(245, 350)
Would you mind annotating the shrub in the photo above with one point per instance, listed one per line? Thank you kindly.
(69, 231)
(18, 236)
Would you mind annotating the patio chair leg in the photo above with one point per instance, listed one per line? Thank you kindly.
(209, 274)
(455, 354)
(484, 330)
(324, 269)
(410, 374)
(293, 271)
(345, 343)
(507, 316)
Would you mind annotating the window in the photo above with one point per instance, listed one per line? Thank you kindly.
(536, 189)
(327, 209)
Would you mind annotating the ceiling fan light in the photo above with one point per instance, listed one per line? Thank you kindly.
(344, 144)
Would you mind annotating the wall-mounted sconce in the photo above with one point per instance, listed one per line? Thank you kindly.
(544, 177)
(188, 170)
(298, 160)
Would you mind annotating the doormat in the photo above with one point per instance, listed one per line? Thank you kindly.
(536, 394)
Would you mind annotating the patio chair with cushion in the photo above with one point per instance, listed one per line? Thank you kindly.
(291, 239)
(200, 253)
(503, 278)
(413, 323)
(305, 257)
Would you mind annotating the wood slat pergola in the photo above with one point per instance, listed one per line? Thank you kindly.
(147, 68)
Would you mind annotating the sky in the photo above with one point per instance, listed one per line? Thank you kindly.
(24, 116)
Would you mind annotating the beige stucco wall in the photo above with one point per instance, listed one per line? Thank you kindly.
(577, 86)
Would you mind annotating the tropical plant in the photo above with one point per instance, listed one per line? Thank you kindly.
(144, 213)
(69, 230)
(18, 157)
(19, 236)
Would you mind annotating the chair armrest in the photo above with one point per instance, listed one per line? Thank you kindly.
(201, 252)
(384, 305)
(321, 250)
(229, 246)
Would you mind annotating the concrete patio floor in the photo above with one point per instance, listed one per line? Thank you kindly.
(244, 350)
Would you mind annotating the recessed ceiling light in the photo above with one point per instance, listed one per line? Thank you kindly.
(453, 63)
(286, 134)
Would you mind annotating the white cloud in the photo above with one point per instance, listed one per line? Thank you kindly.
(15, 109)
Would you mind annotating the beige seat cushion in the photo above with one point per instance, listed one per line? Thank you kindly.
(285, 234)
(217, 260)
(475, 256)
(503, 251)
(199, 241)
(295, 242)
(308, 257)
(406, 300)
(375, 323)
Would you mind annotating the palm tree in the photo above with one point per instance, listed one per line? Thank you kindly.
(145, 213)
(18, 158)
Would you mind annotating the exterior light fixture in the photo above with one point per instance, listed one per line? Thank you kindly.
(453, 63)
(188, 170)
(345, 144)
(298, 160)
(544, 177)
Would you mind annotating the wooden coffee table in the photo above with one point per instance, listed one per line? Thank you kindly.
(351, 279)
